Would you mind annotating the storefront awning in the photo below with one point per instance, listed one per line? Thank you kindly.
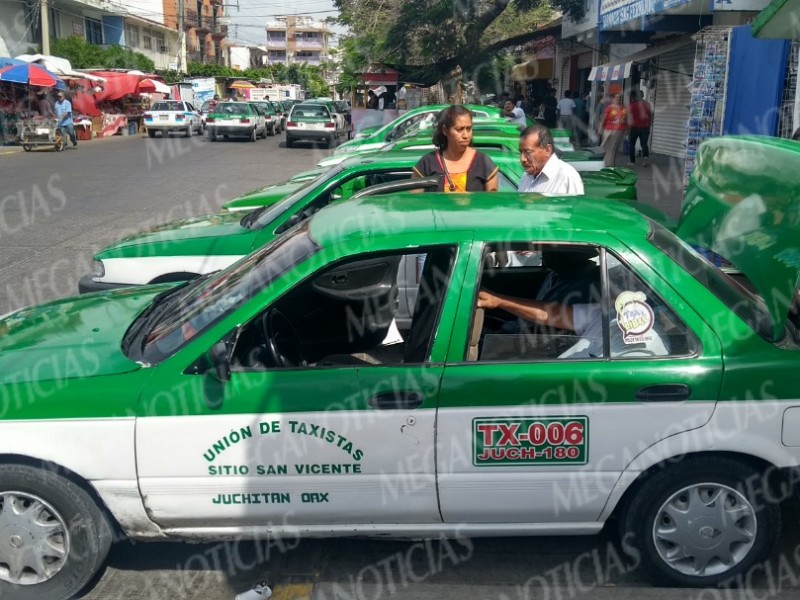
(620, 71)
(541, 68)
(778, 21)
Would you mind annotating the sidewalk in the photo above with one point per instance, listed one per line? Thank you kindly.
(661, 183)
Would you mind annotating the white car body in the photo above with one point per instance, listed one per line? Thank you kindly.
(167, 116)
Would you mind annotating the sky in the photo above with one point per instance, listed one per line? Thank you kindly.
(248, 23)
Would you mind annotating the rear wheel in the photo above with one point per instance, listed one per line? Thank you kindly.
(702, 522)
(271, 130)
(189, 131)
(212, 137)
(60, 141)
(253, 135)
(55, 537)
(27, 147)
(151, 133)
(289, 142)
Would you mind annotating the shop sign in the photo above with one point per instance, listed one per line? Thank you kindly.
(203, 89)
(749, 5)
(617, 12)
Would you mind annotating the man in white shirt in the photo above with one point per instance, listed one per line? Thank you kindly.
(566, 111)
(545, 173)
(514, 113)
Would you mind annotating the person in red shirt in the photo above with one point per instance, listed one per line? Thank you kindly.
(640, 117)
(613, 124)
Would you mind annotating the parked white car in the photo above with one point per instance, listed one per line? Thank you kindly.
(167, 116)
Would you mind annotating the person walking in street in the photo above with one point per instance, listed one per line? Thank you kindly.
(460, 166)
(550, 105)
(579, 116)
(640, 117)
(613, 124)
(63, 110)
(544, 171)
(514, 113)
(566, 111)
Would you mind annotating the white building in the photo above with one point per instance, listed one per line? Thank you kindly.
(297, 39)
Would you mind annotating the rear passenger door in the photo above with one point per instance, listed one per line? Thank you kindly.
(536, 424)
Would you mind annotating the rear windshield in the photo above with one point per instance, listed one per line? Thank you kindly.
(167, 106)
(229, 108)
(313, 111)
(742, 302)
(266, 107)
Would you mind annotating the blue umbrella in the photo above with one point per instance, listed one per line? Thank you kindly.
(7, 61)
(31, 74)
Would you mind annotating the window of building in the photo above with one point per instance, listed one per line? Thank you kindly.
(132, 36)
(94, 31)
(159, 42)
(147, 40)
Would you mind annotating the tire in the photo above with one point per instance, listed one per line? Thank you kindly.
(253, 137)
(27, 147)
(79, 522)
(60, 144)
(151, 133)
(271, 130)
(212, 137)
(697, 521)
(331, 141)
(289, 142)
(189, 131)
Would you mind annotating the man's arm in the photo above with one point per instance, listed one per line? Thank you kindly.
(552, 314)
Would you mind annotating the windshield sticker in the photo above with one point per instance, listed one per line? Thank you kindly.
(510, 442)
(634, 317)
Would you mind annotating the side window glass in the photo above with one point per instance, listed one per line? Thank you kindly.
(504, 183)
(350, 314)
(557, 280)
(642, 325)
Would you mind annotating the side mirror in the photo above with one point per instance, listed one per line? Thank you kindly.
(220, 361)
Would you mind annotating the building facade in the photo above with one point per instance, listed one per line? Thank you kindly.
(297, 39)
(205, 29)
(138, 26)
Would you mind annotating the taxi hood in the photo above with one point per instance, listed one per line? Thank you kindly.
(743, 202)
(214, 226)
(71, 338)
(264, 197)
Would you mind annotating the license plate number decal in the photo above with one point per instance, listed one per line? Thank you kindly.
(509, 442)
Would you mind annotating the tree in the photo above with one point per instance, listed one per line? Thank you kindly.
(428, 40)
(83, 55)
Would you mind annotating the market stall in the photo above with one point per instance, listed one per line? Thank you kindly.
(25, 108)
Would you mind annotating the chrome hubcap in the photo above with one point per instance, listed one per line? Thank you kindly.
(705, 529)
(34, 539)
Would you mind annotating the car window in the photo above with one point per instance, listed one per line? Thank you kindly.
(578, 301)
(162, 105)
(189, 107)
(231, 108)
(504, 184)
(208, 300)
(344, 316)
(315, 111)
(206, 106)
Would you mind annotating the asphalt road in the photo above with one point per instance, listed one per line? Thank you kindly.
(57, 209)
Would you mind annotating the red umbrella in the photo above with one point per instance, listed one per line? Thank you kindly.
(31, 74)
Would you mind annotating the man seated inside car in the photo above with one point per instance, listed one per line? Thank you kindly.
(569, 300)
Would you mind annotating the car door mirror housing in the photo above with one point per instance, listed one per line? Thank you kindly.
(220, 361)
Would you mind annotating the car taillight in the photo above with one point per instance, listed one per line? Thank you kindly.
(330, 125)
(209, 119)
(179, 117)
(148, 116)
(291, 124)
(244, 121)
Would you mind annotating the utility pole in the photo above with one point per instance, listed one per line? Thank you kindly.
(181, 35)
(45, 28)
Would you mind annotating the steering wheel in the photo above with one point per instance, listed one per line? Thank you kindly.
(283, 344)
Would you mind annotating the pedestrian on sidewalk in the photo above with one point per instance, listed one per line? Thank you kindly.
(640, 118)
(544, 171)
(63, 111)
(612, 126)
(566, 110)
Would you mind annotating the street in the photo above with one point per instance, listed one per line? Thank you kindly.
(57, 209)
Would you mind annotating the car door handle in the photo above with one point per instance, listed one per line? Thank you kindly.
(395, 400)
(665, 392)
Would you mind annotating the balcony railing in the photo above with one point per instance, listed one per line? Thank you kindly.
(308, 45)
(276, 43)
(204, 23)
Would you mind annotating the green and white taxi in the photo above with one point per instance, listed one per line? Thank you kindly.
(265, 399)
(184, 249)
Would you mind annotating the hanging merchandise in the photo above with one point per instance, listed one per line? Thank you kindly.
(708, 92)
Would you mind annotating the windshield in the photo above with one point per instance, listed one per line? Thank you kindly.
(208, 300)
(746, 305)
(167, 106)
(260, 218)
(415, 126)
(230, 108)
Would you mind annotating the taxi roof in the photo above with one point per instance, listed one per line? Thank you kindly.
(494, 214)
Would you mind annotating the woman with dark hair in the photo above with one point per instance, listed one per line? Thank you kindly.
(461, 167)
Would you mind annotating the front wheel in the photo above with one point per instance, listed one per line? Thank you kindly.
(55, 537)
(702, 522)
(27, 147)
(151, 133)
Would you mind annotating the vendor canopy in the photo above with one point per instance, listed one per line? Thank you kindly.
(119, 85)
(622, 70)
